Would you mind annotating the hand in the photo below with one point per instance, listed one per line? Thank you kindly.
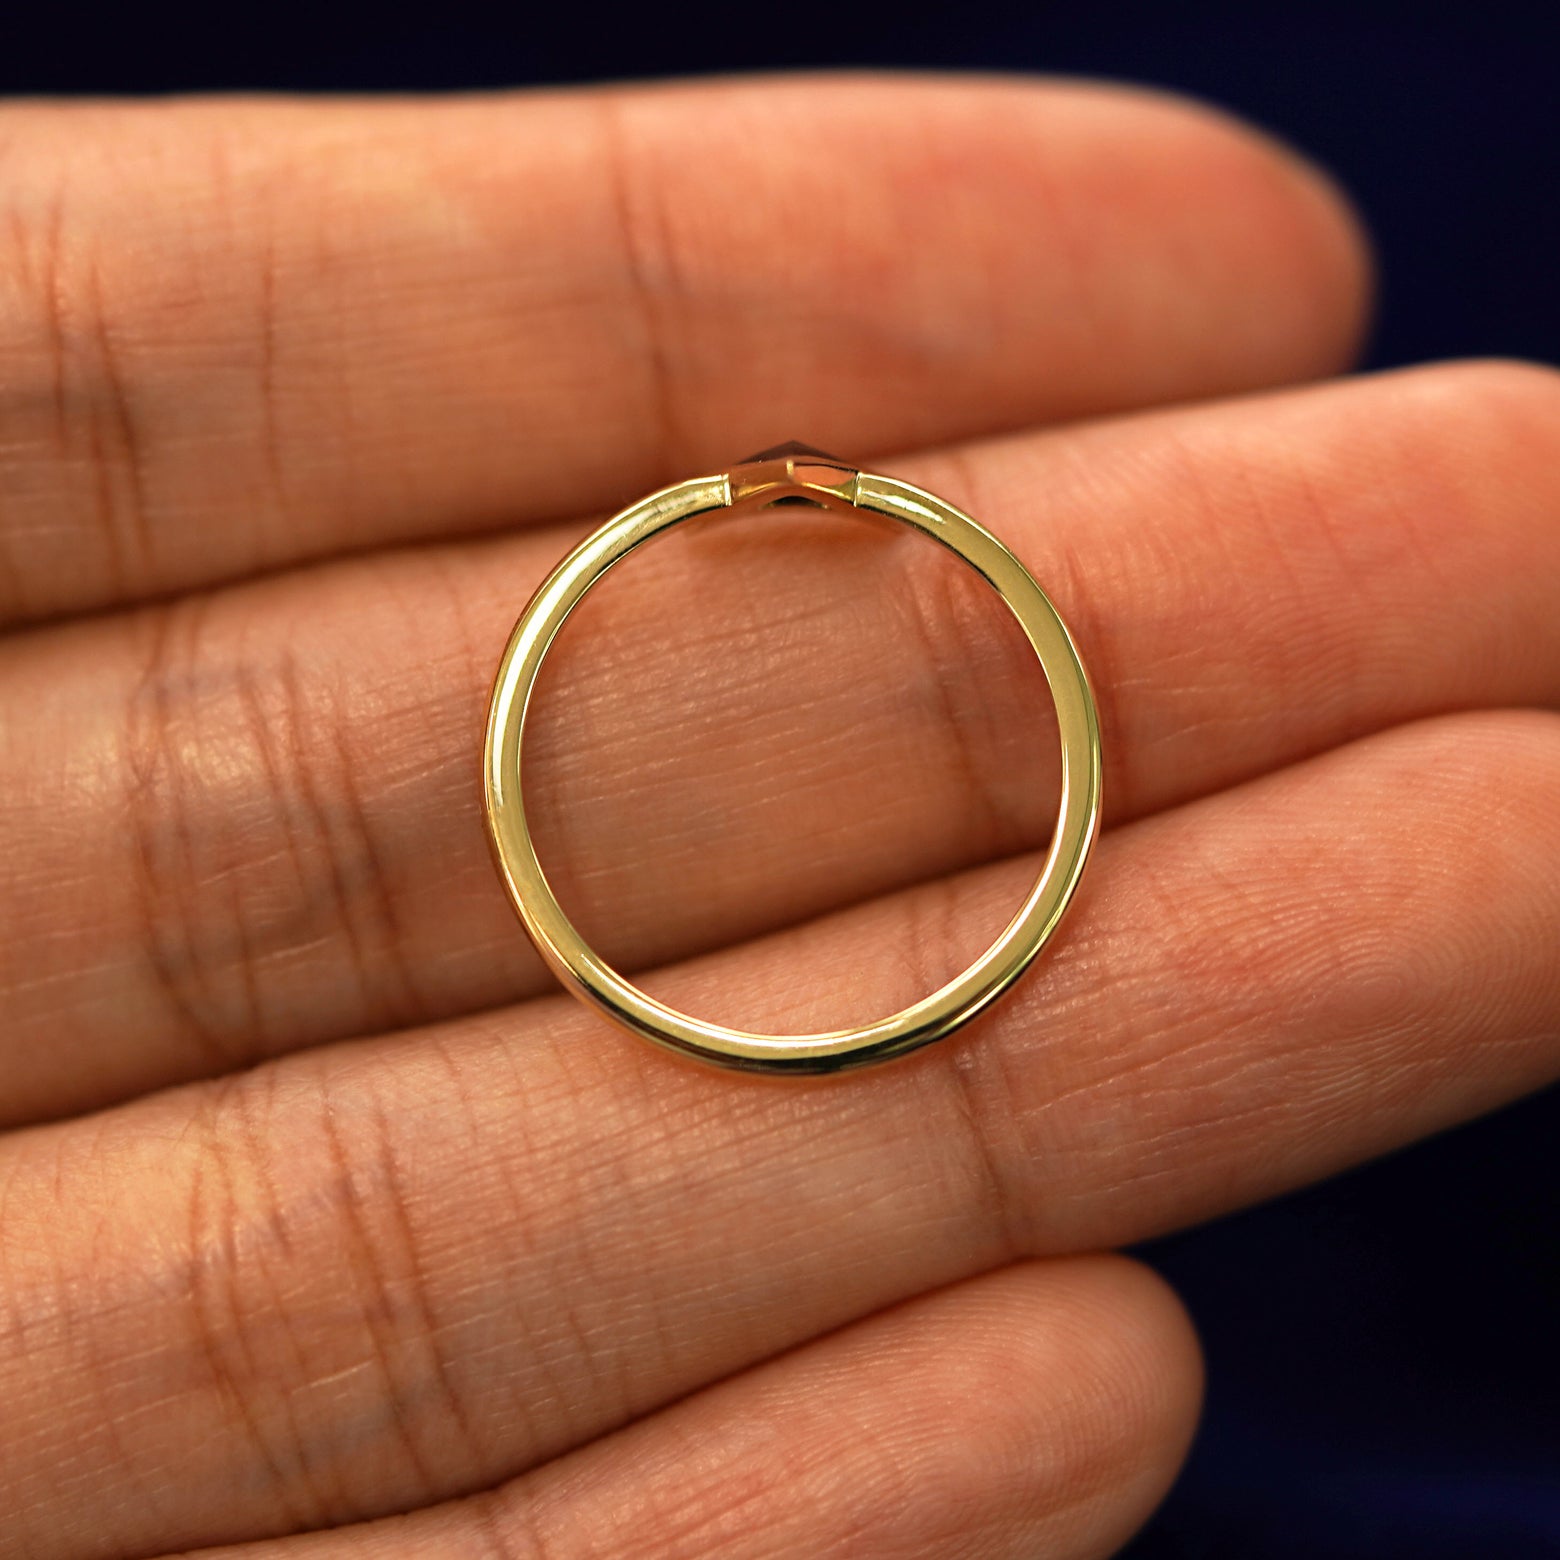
(320, 1205)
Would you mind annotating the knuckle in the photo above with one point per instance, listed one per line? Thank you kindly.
(373, 1229)
(195, 937)
(257, 868)
(76, 405)
(344, 1242)
(94, 331)
(231, 1340)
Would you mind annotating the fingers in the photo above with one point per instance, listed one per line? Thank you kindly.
(250, 823)
(384, 1274)
(343, 324)
(1039, 1410)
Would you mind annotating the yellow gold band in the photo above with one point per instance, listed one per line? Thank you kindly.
(792, 474)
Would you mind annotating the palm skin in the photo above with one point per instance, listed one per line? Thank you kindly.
(331, 1231)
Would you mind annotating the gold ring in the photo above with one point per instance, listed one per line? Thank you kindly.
(792, 474)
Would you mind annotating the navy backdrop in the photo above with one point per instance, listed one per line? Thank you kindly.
(1384, 1370)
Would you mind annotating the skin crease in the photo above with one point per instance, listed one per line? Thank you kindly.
(332, 1232)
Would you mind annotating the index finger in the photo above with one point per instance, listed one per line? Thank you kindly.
(235, 334)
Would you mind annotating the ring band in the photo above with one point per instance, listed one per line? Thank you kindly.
(792, 474)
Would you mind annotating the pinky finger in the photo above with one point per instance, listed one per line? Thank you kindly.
(1039, 1410)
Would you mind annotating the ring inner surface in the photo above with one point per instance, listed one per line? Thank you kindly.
(788, 765)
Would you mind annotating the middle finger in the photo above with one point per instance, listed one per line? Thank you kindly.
(264, 800)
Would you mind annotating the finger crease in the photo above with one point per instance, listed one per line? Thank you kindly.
(125, 518)
(646, 256)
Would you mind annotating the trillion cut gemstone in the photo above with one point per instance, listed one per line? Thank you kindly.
(790, 449)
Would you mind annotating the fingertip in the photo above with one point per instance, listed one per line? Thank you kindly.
(1137, 1375)
(1064, 1397)
(1234, 260)
(1284, 215)
(1308, 214)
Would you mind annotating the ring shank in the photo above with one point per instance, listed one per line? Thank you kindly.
(945, 1009)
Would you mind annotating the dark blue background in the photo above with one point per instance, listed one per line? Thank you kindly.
(1384, 1351)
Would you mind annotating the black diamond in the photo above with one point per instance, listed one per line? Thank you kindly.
(793, 447)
